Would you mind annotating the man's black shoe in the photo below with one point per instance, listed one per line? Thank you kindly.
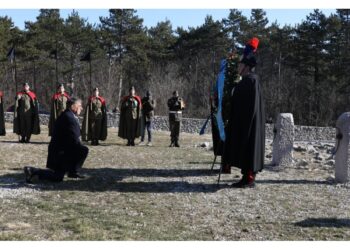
(171, 145)
(28, 172)
(177, 144)
(243, 184)
(76, 176)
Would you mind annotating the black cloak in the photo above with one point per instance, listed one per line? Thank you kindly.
(2, 118)
(245, 134)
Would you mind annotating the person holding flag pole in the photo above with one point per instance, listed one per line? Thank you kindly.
(26, 114)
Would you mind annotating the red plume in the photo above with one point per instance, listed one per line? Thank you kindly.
(254, 42)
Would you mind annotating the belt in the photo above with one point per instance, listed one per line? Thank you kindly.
(175, 112)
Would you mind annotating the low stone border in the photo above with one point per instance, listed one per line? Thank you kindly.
(191, 125)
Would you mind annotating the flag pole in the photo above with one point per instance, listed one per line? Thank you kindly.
(90, 75)
(34, 75)
(56, 61)
(14, 60)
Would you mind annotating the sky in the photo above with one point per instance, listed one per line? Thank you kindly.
(179, 17)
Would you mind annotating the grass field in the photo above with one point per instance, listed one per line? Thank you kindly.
(162, 193)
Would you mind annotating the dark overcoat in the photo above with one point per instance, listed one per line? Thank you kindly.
(34, 119)
(130, 124)
(86, 126)
(2, 118)
(245, 139)
(65, 142)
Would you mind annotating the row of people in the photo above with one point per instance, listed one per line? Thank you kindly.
(136, 116)
(243, 144)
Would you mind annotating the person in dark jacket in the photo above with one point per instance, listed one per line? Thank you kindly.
(245, 141)
(175, 105)
(148, 105)
(66, 154)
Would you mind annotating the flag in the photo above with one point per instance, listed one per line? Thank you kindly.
(86, 57)
(219, 88)
(11, 54)
(53, 54)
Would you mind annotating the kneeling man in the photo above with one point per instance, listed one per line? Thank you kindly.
(66, 153)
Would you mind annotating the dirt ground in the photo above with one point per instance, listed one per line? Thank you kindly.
(162, 193)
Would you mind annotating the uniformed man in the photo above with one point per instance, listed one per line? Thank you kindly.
(2, 118)
(94, 126)
(176, 105)
(26, 114)
(130, 117)
(148, 105)
(245, 141)
(58, 105)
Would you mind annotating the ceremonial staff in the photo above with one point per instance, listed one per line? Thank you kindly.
(11, 55)
(54, 54)
(87, 57)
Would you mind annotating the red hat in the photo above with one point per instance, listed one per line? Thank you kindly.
(248, 53)
(254, 42)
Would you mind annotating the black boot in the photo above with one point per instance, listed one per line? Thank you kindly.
(177, 144)
(75, 175)
(29, 173)
(226, 169)
(247, 181)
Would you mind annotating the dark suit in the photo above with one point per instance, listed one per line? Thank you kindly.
(66, 153)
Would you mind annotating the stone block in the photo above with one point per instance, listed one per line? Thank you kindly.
(342, 155)
(282, 151)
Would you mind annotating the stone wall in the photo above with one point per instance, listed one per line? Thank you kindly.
(302, 133)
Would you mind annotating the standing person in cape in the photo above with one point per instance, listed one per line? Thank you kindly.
(58, 105)
(26, 114)
(94, 126)
(148, 105)
(130, 117)
(176, 105)
(2, 118)
(245, 141)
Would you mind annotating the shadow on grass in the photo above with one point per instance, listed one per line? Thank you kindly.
(324, 222)
(296, 182)
(209, 163)
(34, 142)
(110, 179)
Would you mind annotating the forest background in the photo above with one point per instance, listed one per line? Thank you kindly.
(303, 68)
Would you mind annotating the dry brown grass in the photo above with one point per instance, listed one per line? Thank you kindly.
(161, 193)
